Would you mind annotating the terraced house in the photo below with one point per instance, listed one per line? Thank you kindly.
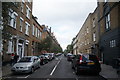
(109, 24)
(22, 34)
(85, 36)
(18, 28)
(100, 33)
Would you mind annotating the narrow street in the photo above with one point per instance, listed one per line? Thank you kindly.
(59, 68)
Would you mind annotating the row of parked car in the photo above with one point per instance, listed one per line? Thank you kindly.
(46, 57)
(84, 63)
(28, 64)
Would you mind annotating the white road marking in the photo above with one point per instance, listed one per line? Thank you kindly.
(23, 77)
(27, 76)
(7, 77)
(76, 78)
(48, 79)
(55, 67)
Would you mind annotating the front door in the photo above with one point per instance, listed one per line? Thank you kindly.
(20, 50)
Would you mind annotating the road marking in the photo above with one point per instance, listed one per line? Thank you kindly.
(7, 77)
(27, 76)
(23, 77)
(55, 67)
(76, 78)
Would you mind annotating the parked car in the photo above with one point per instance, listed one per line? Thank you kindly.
(47, 56)
(26, 64)
(52, 55)
(70, 57)
(58, 54)
(86, 63)
(68, 54)
(43, 60)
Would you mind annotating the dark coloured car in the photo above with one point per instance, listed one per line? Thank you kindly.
(43, 59)
(84, 63)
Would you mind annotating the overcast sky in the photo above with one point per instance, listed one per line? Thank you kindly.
(65, 17)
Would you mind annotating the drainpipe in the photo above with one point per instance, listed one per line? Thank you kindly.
(17, 47)
(1, 27)
(1, 39)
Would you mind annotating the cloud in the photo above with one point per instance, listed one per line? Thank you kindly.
(64, 16)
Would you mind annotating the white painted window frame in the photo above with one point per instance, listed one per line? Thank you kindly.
(107, 19)
(21, 23)
(28, 12)
(94, 36)
(27, 28)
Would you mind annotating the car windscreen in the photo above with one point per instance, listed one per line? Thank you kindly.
(93, 58)
(25, 59)
(84, 58)
(41, 55)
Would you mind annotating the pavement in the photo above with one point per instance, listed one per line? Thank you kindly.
(6, 70)
(108, 72)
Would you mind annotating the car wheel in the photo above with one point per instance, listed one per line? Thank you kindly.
(32, 70)
(39, 66)
(73, 67)
(43, 63)
(76, 71)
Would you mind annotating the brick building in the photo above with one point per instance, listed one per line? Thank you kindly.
(103, 27)
(36, 35)
(95, 31)
(18, 28)
(85, 36)
(23, 33)
(109, 23)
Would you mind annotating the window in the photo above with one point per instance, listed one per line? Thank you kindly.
(33, 30)
(22, 6)
(94, 22)
(85, 33)
(28, 11)
(94, 36)
(36, 32)
(12, 18)
(29, 1)
(10, 47)
(113, 43)
(27, 28)
(107, 21)
(87, 30)
(87, 41)
(40, 34)
(21, 23)
(23, 1)
(106, 0)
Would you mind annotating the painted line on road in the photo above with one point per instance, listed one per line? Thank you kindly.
(23, 77)
(27, 76)
(55, 67)
(76, 78)
(18, 77)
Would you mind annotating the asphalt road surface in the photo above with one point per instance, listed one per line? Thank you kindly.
(58, 68)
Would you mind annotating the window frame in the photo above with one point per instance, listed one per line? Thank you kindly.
(21, 23)
(27, 25)
(107, 22)
(94, 36)
(28, 11)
